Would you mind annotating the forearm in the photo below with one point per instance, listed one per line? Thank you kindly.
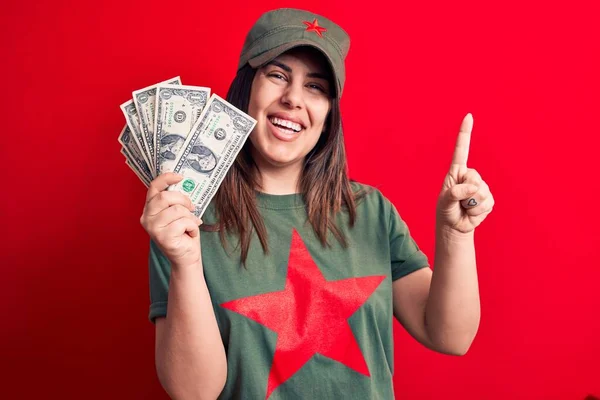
(453, 311)
(190, 359)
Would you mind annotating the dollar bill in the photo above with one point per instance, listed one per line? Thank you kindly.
(133, 168)
(210, 149)
(131, 116)
(131, 162)
(133, 153)
(144, 101)
(177, 110)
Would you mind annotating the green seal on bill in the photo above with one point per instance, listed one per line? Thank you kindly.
(188, 185)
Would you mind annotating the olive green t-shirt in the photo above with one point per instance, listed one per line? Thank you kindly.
(305, 321)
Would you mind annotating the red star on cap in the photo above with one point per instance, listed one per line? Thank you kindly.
(314, 27)
(310, 316)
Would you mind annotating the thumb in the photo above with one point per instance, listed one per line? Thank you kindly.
(463, 191)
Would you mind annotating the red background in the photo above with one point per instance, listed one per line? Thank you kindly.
(74, 257)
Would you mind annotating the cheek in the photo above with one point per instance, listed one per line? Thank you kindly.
(261, 95)
(252, 138)
(255, 97)
(320, 114)
(252, 106)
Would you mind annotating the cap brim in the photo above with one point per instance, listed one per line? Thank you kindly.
(270, 55)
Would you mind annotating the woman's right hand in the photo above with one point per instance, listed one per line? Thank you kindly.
(169, 221)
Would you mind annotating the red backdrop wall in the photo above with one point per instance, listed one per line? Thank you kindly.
(74, 257)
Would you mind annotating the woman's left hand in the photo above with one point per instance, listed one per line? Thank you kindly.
(465, 200)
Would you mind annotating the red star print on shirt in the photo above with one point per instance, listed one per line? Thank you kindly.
(310, 315)
(314, 27)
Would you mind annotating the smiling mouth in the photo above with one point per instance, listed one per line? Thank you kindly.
(285, 125)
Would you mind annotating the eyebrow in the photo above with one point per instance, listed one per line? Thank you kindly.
(287, 68)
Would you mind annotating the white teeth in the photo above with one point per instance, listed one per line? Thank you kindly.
(286, 124)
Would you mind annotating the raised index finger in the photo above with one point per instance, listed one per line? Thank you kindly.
(461, 151)
(162, 182)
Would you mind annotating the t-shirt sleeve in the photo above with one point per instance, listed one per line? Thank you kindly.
(406, 257)
(159, 274)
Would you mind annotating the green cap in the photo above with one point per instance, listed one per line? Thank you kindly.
(280, 30)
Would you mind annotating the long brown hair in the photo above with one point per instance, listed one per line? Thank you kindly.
(324, 182)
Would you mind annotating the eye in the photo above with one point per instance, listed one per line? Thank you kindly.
(318, 87)
(276, 75)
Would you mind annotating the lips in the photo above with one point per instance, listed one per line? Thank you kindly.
(287, 117)
(281, 133)
(284, 126)
(286, 123)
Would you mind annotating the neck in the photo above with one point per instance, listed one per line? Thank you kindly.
(279, 180)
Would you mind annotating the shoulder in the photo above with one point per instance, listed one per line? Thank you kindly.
(370, 200)
(368, 194)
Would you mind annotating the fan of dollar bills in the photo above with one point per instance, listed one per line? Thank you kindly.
(183, 129)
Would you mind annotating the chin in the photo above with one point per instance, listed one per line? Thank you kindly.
(278, 157)
(281, 160)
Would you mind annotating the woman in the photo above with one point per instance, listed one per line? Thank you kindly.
(290, 288)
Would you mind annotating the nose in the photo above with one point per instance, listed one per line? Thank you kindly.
(293, 95)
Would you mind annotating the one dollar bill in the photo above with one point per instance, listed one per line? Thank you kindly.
(144, 101)
(210, 149)
(133, 167)
(178, 108)
(133, 122)
(133, 154)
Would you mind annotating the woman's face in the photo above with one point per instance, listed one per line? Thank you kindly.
(290, 100)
